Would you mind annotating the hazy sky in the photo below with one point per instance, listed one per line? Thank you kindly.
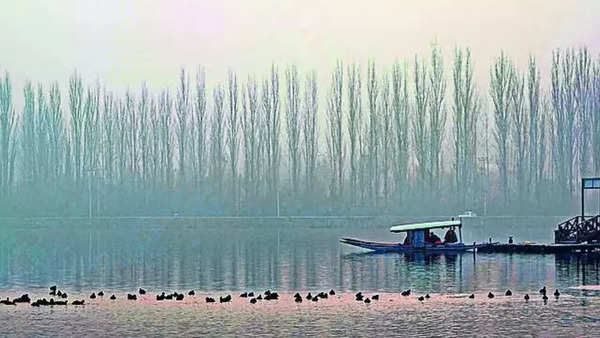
(125, 42)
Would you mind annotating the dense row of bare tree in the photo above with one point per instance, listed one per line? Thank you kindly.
(420, 138)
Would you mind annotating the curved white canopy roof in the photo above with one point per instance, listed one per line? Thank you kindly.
(425, 225)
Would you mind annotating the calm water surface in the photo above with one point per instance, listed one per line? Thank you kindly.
(218, 256)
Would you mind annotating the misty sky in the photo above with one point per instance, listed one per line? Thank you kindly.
(125, 42)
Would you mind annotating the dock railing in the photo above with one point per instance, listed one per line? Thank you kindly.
(578, 229)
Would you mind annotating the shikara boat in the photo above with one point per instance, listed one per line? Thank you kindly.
(417, 234)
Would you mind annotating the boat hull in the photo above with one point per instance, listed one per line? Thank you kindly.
(397, 247)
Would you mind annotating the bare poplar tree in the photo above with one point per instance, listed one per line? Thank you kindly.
(77, 121)
(310, 129)
(121, 146)
(142, 134)
(582, 93)
(165, 107)
(182, 110)
(570, 110)
(293, 124)
(387, 134)
(57, 132)
(596, 115)
(91, 110)
(232, 135)
(519, 133)
(42, 136)
(109, 133)
(437, 114)
(8, 122)
(419, 126)
(466, 114)
(400, 106)
(536, 128)
(155, 161)
(217, 139)
(354, 125)
(28, 133)
(200, 123)
(559, 119)
(271, 106)
(131, 144)
(250, 128)
(335, 118)
(373, 145)
(500, 89)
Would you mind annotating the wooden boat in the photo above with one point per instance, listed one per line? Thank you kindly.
(416, 242)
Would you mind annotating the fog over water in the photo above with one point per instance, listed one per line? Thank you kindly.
(227, 146)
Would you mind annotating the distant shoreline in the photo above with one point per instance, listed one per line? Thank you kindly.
(234, 218)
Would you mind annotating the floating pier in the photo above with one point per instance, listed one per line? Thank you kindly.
(577, 234)
(581, 228)
(538, 248)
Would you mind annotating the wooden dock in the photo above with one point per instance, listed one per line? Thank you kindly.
(538, 248)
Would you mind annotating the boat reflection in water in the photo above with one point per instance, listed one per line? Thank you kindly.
(433, 272)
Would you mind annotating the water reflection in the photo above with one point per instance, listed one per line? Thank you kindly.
(123, 256)
(581, 269)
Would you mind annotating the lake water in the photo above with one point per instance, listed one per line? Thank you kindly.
(220, 256)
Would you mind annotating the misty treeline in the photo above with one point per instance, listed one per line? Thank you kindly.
(418, 137)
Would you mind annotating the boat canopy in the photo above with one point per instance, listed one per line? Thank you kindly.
(424, 226)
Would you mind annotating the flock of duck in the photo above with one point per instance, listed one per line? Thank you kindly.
(542, 292)
(253, 298)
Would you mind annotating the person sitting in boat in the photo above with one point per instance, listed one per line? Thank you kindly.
(408, 239)
(434, 239)
(450, 236)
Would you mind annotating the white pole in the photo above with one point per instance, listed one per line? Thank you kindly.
(277, 203)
